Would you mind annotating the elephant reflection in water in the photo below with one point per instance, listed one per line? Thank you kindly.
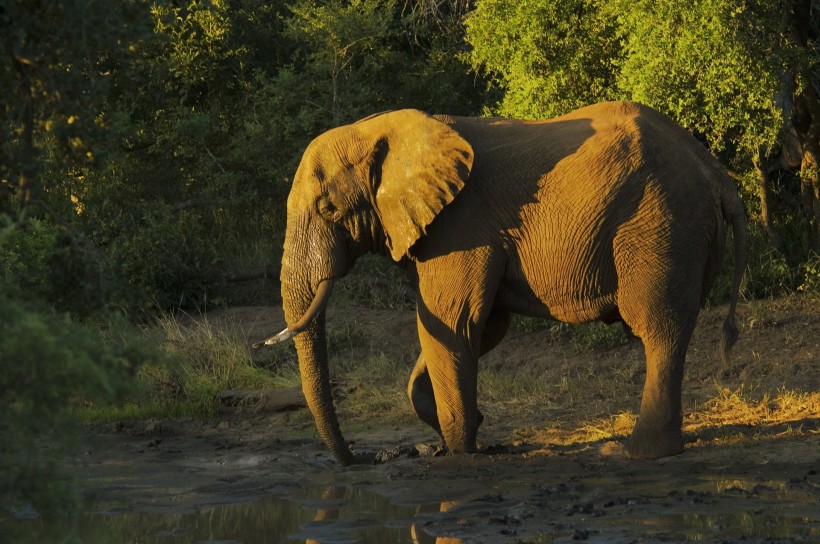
(417, 533)
(331, 493)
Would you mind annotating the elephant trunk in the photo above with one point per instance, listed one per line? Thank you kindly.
(311, 347)
(316, 308)
(306, 287)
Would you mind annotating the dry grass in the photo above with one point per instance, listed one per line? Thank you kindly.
(757, 411)
(730, 416)
(565, 391)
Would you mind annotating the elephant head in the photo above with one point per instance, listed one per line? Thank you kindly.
(373, 186)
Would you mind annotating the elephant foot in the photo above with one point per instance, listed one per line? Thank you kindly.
(645, 444)
(431, 450)
(461, 448)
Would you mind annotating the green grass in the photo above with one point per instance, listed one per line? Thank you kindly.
(211, 359)
(208, 357)
(514, 388)
(585, 336)
(590, 336)
(345, 339)
(375, 388)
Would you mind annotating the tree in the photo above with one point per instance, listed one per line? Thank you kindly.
(549, 56)
(739, 73)
(804, 22)
(60, 55)
(160, 136)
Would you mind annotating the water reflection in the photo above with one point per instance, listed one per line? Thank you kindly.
(352, 511)
(420, 536)
(337, 514)
(702, 509)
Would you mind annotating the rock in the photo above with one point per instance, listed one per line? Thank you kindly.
(280, 400)
(265, 400)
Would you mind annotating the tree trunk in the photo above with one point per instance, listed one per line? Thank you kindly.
(807, 123)
(810, 191)
(26, 156)
(765, 194)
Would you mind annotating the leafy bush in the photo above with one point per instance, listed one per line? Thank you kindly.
(24, 258)
(165, 261)
(42, 262)
(48, 366)
(810, 281)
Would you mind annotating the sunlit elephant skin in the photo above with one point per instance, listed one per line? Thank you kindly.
(612, 212)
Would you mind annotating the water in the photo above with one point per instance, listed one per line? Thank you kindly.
(594, 509)
(330, 514)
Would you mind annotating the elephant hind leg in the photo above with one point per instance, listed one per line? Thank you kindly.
(658, 433)
(663, 316)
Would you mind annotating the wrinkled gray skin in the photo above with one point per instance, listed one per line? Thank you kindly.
(610, 213)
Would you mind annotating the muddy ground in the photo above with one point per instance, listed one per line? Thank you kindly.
(750, 472)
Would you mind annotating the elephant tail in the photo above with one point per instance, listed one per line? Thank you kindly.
(734, 214)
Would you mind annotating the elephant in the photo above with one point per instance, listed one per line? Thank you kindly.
(612, 212)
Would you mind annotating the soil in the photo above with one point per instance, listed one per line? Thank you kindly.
(544, 475)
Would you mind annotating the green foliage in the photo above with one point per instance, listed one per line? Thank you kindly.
(342, 47)
(179, 264)
(585, 336)
(599, 335)
(768, 274)
(51, 268)
(810, 280)
(49, 365)
(165, 133)
(730, 71)
(376, 283)
(550, 56)
(57, 58)
(24, 257)
(712, 65)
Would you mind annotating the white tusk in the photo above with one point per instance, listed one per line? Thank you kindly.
(277, 338)
(316, 307)
(285, 334)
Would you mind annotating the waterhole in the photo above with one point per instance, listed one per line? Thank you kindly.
(329, 514)
(594, 508)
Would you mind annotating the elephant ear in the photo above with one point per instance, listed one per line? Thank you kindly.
(424, 166)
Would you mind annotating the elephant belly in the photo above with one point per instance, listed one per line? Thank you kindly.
(567, 296)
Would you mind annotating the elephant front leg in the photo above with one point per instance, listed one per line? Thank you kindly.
(452, 370)
(420, 393)
(457, 290)
(423, 400)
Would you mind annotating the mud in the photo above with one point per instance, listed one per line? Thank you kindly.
(232, 483)
(252, 478)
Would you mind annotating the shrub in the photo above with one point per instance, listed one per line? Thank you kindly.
(48, 366)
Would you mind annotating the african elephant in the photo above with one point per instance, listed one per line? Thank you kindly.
(612, 212)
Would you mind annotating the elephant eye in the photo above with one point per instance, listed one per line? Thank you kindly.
(327, 209)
